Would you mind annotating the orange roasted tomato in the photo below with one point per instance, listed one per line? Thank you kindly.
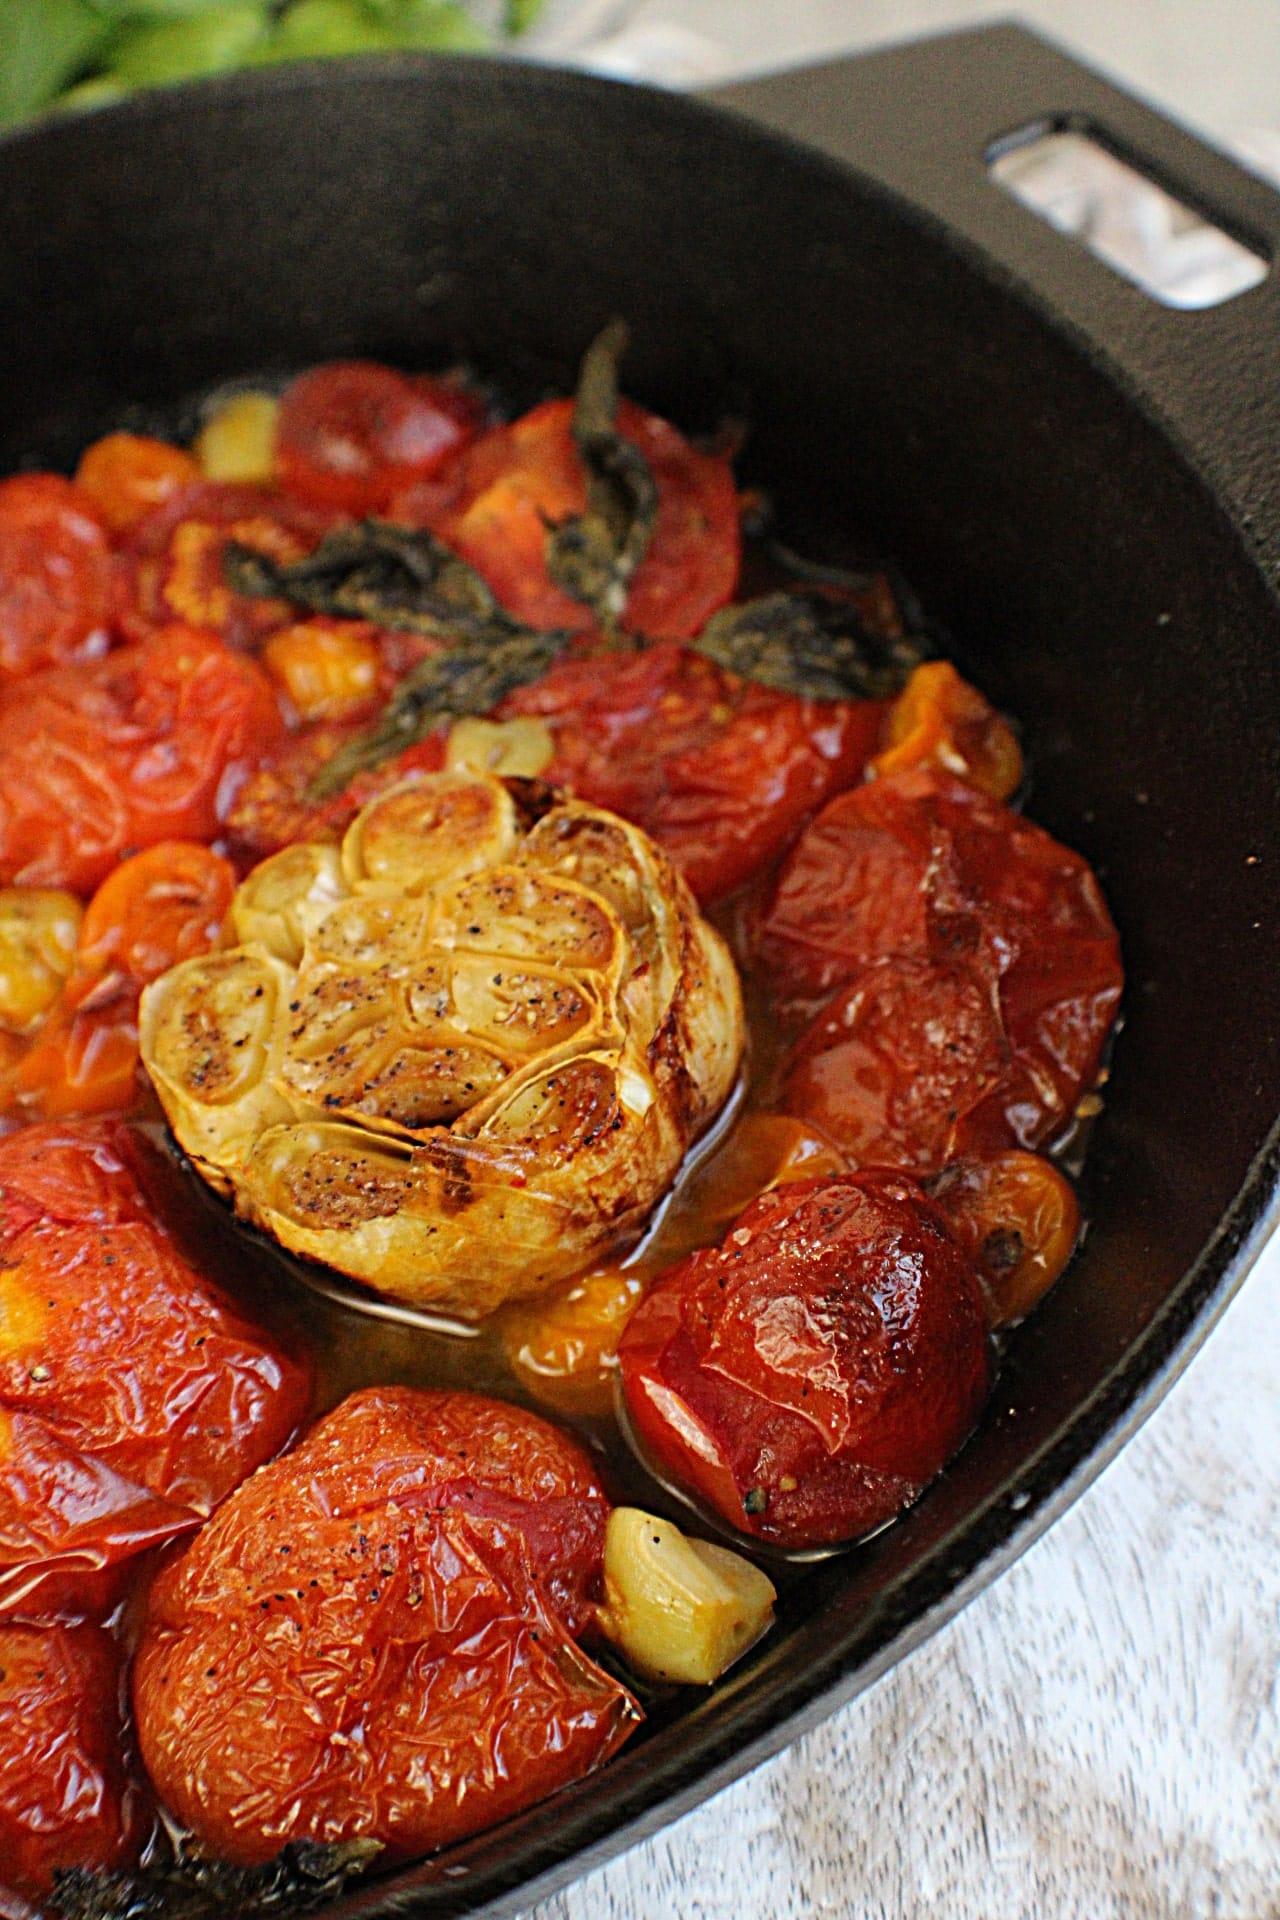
(811, 1374)
(55, 575)
(1018, 1219)
(65, 1796)
(149, 744)
(161, 907)
(376, 1636)
(721, 771)
(1004, 981)
(128, 475)
(939, 720)
(352, 433)
(519, 480)
(132, 1396)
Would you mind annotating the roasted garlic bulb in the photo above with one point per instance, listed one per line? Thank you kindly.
(461, 1055)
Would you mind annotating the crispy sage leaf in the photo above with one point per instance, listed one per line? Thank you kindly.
(810, 644)
(400, 577)
(302, 1876)
(470, 676)
(592, 556)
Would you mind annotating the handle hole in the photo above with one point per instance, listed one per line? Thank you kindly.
(1125, 218)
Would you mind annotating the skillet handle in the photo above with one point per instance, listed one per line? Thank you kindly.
(923, 118)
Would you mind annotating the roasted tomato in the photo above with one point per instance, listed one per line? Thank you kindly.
(352, 434)
(519, 480)
(158, 908)
(940, 721)
(897, 1061)
(132, 1397)
(146, 745)
(1018, 1219)
(920, 868)
(721, 771)
(374, 1637)
(460, 1058)
(65, 1796)
(128, 475)
(175, 554)
(55, 575)
(811, 1374)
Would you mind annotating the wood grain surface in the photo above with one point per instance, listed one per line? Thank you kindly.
(1097, 1737)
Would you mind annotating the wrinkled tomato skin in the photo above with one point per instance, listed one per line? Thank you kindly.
(896, 1061)
(809, 1376)
(55, 575)
(65, 1797)
(918, 867)
(521, 479)
(149, 744)
(352, 434)
(373, 1636)
(721, 771)
(133, 1397)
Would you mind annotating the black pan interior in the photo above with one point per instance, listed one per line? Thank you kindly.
(1094, 583)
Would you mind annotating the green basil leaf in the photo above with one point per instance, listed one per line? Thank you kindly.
(812, 645)
(322, 30)
(304, 1875)
(592, 556)
(155, 53)
(519, 15)
(42, 47)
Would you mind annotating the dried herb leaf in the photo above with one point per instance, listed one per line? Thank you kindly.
(471, 676)
(812, 645)
(302, 1876)
(399, 577)
(592, 556)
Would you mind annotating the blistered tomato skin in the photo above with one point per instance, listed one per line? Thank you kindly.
(148, 744)
(811, 1374)
(918, 868)
(65, 1798)
(374, 1636)
(128, 475)
(55, 575)
(521, 479)
(720, 771)
(132, 1397)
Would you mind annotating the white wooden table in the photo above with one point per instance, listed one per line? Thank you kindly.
(1098, 1736)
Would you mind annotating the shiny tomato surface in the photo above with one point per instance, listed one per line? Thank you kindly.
(919, 868)
(374, 1636)
(65, 1796)
(811, 1374)
(146, 745)
(132, 1396)
(55, 575)
(519, 480)
(721, 771)
(352, 434)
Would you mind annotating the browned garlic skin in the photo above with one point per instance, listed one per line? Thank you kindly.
(462, 1055)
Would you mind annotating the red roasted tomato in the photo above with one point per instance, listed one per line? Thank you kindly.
(146, 745)
(721, 771)
(374, 1636)
(132, 1397)
(65, 1797)
(55, 575)
(173, 570)
(919, 868)
(518, 480)
(811, 1374)
(352, 433)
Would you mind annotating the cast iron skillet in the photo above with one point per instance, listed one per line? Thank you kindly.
(1082, 484)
